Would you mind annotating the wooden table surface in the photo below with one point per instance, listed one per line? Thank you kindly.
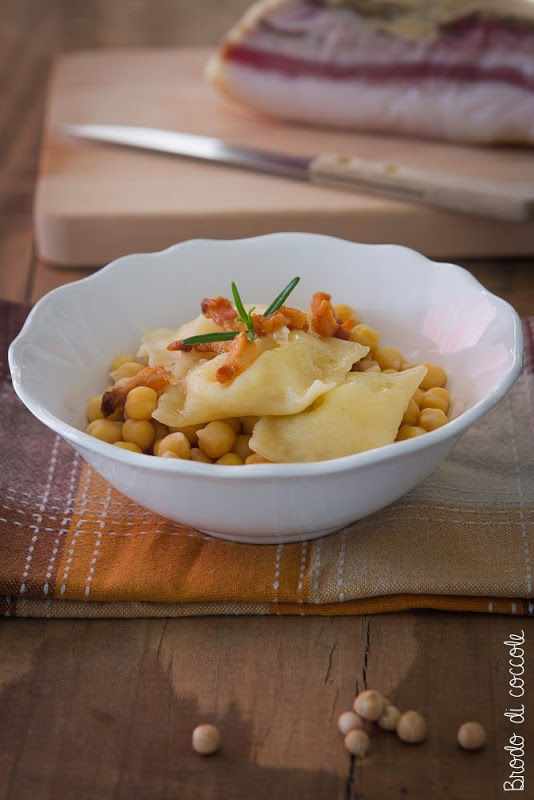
(104, 709)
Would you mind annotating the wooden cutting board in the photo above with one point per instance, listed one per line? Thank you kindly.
(95, 202)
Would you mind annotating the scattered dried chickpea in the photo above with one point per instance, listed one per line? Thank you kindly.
(94, 410)
(471, 736)
(418, 397)
(216, 439)
(388, 358)
(176, 443)
(366, 336)
(432, 418)
(141, 402)
(255, 458)
(437, 397)
(118, 361)
(247, 423)
(411, 415)
(369, 705)
(105, 429)
(409, 432)
(389, 718)
(411, 727)
(230, 460)
(349, 721)
(128, 446)
(206, 739)
(127, 370)
(241, 446)
(198, 455)
(357, 742)
(140, 432)
(344, 312)
(435, 376)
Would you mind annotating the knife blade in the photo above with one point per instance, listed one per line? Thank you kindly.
(500, 199)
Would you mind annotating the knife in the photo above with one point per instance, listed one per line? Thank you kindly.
(492, 198)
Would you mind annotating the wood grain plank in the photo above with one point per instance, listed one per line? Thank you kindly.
(47, 277)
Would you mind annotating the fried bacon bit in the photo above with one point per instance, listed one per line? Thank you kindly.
(221, 311)
(324, 320)
(113, 401)
(203, 347)
(241, 353)
(287, 317)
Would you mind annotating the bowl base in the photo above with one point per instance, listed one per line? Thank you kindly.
(282, 538)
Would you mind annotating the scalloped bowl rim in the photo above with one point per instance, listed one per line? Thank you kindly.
(392, 451)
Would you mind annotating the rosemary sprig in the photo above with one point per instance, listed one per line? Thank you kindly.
(216, 336)
(281, 298)
(244, 316)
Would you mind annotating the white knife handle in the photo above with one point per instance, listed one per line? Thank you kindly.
(501, 199)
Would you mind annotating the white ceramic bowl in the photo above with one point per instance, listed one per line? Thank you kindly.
(431, 311)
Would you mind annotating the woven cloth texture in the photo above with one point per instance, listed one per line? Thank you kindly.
(72, 546)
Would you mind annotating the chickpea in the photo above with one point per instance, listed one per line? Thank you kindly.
(344, 312)
(168, 454)
(369, 705)
(198, 455)
(411, 727)
(93, 408)
(216, 439)
(127, 370)
(105, 429)
(118, 361)
(128, 446)
(155, 446)
(411, 415)
(389, 718)
(255, 458)
(206, 739)
(471, 736)
(247, 423)
(357, 742)
(407, 365)
(177, 443)
(435, 376)
(234, 423)
(409, 432)
(230, 460)
(241, 446)
(141, 402)
(389, 371)
(363, 334)
(349, 721)
(366, 364)
(418, 397)
(389, 357)
(432, 418)
(436, 398)
(140, 432)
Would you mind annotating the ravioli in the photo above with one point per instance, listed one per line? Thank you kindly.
(285, 379)
(363, 413)
(155, 341)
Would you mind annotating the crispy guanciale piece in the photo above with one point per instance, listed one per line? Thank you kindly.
(292, 318)
(203, 347)
(324, 320)
(221, 311)
(241, 353)
(113, 401)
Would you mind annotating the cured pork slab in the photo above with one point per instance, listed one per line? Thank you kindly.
(438, 68)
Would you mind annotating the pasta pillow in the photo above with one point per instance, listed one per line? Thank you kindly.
(363, 413)
(284, 379)
(155, 342)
